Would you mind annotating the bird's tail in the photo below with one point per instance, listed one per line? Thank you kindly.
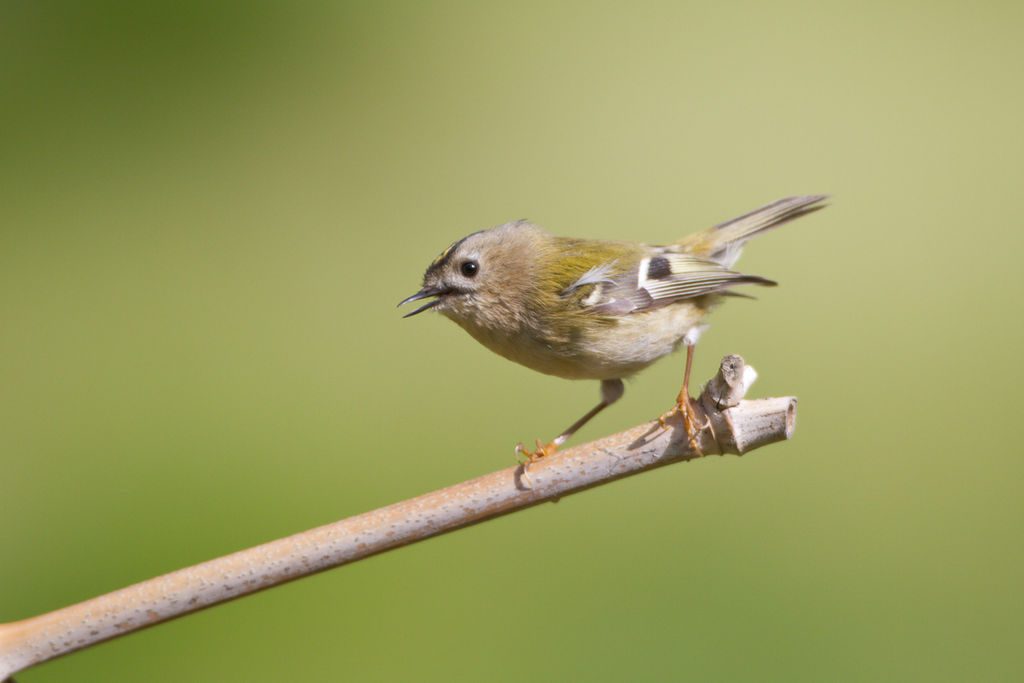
(723, 243)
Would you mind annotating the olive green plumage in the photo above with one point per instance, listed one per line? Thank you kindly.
(591, 309)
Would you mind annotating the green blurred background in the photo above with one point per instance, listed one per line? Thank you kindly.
(209, 211)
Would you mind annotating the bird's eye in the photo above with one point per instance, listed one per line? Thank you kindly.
(469, 268)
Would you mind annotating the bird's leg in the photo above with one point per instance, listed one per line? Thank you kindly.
(685, 407)
(611, 391)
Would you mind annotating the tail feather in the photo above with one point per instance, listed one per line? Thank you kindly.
(724, 242)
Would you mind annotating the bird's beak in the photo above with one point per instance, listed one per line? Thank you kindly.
(423, 294)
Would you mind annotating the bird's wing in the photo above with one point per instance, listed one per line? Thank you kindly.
(656, 280)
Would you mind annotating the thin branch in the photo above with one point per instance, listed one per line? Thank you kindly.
(736, 427)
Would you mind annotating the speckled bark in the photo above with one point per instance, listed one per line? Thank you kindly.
(737, 426)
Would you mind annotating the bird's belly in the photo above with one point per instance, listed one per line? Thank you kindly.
(612, 349)
(620, 348)
(639, 339)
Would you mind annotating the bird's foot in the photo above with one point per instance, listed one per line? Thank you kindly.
(542, 451)
(533, 456)
(687, 410)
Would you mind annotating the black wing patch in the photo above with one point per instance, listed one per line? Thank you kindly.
(660, 280)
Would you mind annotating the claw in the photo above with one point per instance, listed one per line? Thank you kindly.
(542, 451)
(684, 408)
(533, 456)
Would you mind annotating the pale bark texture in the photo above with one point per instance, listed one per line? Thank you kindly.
(733, 426)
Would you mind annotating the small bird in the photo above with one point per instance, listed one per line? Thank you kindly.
(594, 309)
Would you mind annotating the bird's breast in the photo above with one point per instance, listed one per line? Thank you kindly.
(611, 348)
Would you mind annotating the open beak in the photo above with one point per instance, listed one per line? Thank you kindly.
(423, 294)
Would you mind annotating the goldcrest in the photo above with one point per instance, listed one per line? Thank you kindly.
(594, 309)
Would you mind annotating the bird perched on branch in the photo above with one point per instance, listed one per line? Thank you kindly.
(594, 309)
